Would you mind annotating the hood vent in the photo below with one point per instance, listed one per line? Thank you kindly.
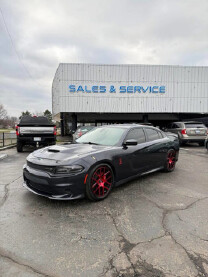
(53, 150)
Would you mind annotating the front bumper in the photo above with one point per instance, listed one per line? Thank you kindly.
(59, 188)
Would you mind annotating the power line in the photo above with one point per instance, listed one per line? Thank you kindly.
(15, 50)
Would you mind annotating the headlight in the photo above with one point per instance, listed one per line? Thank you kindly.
(71, 169)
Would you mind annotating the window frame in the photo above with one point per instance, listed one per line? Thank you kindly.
(157, 131)
(136, 128)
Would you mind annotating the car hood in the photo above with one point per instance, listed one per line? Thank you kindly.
(64, 153)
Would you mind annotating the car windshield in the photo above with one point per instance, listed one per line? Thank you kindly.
(102, 136)
(86, 128)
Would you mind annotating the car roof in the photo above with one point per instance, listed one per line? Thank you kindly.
(193, 122)
(127, 125)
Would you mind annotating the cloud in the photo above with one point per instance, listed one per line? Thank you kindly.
(48, 32)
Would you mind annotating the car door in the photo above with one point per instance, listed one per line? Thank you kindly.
(134, 157)
(156, 148)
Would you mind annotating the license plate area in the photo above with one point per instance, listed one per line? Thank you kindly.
(197, 131)
(37, 138)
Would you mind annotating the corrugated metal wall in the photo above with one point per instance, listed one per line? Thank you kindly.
(186, 89)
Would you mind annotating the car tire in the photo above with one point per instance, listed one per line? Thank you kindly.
(201, 143)
(170, 161)
(180, 141)
(19, 147)
(99, 182)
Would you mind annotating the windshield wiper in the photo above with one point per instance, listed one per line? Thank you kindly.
(89, 142)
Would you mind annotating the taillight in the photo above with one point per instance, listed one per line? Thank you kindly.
(79, 134)
(54, 131)
(17, 130)
(183, 132)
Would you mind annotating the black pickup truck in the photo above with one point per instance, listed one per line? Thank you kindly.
(36, 131)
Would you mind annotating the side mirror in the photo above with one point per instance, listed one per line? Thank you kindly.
(130, 142)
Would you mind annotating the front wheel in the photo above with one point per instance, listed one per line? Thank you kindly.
(170, 161)
(99, 182)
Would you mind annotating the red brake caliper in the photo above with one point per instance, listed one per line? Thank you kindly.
(171, 160)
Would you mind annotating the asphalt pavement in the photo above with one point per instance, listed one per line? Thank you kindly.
(156, 225)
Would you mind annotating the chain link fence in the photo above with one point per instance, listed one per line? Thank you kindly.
(7, 138)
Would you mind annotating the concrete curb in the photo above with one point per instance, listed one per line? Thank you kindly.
(8, 147)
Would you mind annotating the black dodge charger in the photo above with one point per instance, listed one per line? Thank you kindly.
(103, 158)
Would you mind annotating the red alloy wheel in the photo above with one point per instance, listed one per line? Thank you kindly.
(171, 160)
(101, 181)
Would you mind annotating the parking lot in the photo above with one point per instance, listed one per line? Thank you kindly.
(156, 225)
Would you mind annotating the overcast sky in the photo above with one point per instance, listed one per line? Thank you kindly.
(39, 34)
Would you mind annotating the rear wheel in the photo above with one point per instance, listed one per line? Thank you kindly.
(99, 182)
(19, 146)
(170, 161)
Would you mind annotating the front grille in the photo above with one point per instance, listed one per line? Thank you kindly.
(50, 169)
(48, 190)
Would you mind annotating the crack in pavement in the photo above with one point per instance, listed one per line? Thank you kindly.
(125, 247)
(173, 209)
(6, 191)
(28, 267)
(197, 262)
(147, 269)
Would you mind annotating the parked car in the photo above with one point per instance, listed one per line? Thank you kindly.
(206, 143)
(107, 156)
(36, 131)
(81, 131)
(190, 131)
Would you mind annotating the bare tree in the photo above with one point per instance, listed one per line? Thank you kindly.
(3, 112)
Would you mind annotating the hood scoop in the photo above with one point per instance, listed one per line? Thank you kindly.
(56, 149)
(53, 150)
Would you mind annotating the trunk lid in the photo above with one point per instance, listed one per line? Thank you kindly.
(195, 129)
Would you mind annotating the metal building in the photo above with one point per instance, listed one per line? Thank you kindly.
(123, 93)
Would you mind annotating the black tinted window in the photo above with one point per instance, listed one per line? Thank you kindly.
(40, 120)
(175, 125)
(152, 134)
(137, 134)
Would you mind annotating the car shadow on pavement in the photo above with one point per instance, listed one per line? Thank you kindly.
(121, 190)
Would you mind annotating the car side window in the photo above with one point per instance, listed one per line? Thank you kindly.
(137, 134)
(152, 134)
(176, 126)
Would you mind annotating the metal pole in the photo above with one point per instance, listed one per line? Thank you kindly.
(62, 125)
(3, 139)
